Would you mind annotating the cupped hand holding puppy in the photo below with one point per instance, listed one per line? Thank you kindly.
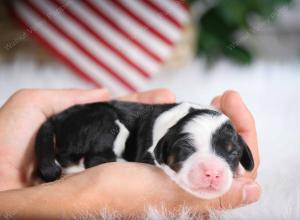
(127, 188)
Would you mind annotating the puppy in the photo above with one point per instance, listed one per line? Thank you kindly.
(196, 146)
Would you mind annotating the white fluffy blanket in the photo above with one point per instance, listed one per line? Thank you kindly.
(270, 89)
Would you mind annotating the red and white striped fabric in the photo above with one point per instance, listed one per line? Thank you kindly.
(118, 44)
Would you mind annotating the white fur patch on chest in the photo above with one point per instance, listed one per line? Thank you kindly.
(72, 169)
(120, 141)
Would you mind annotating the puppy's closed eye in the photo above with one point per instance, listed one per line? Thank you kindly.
(173, 164)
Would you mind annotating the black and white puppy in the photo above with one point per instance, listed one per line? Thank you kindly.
(196, 146)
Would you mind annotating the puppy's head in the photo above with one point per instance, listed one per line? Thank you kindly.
(202, 152)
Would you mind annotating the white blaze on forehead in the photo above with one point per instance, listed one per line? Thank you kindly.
(170, 118)
(119, 143)
(201, 129)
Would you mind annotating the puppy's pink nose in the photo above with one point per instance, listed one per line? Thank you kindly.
(212, 175)
(211, 172)
(207, 174)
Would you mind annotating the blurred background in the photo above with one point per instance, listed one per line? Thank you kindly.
(198, 49)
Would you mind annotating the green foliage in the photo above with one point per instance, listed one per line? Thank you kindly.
(219, 25)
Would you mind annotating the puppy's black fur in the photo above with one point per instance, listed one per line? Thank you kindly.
(230, 145)
(89, 131)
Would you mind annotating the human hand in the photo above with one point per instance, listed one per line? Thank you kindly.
(117, 183)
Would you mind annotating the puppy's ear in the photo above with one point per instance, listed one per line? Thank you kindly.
(161, 150)
(247, 158)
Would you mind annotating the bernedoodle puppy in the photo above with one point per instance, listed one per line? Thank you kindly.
(196, 146)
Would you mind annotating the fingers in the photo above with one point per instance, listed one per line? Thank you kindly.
(243, 191)
(151, 97)
(59, 100)
(62, 99)
(54, 101)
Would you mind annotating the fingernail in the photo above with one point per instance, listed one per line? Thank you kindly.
(251, 193)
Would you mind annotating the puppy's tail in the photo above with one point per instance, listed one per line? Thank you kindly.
(48, 169)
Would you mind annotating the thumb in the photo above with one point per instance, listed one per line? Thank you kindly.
(243, 191)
